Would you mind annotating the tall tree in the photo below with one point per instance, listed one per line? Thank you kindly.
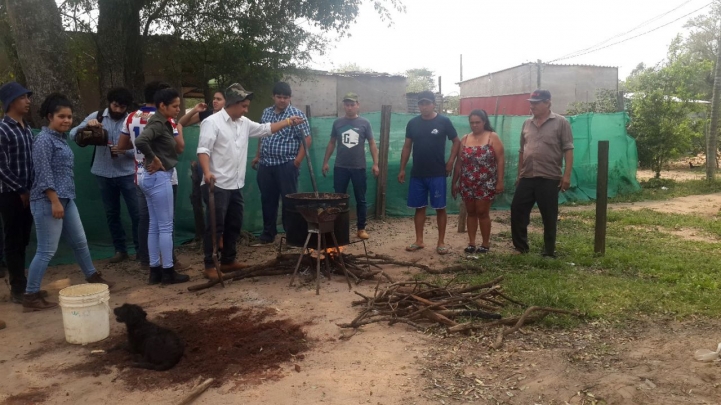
(712, 142)
(42, 51)
(420, 80)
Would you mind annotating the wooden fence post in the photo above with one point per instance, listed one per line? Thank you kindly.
(383, 151)
(462, 216)
(601, 198)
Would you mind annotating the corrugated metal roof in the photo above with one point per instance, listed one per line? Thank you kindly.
(533, 64)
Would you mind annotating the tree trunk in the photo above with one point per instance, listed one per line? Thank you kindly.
(43, 53)
(712, 142)
(120, 47)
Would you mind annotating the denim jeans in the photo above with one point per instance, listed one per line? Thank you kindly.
(144, 224)
(159, 194)
(274, 182)
(228, 222)
(341, 178)
(17, 225)
(111, 189)
(49, 230)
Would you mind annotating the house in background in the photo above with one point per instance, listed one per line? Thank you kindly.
(324, 91)
(507, 91)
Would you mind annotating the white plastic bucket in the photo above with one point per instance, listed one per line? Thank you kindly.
(86, 313)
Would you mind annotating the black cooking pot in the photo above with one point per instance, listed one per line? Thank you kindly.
(296, 227)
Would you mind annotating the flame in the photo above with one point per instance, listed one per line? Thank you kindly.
(331, 252)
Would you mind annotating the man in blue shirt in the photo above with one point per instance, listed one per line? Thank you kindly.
(278, 159)
(115, 169)
(16, 179)
(426, 136)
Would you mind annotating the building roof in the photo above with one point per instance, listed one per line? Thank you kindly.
(533, 64)
(352, 74)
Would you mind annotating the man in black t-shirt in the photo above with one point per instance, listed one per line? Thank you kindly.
(426, 136)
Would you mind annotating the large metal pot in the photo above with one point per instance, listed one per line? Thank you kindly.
(296, 227)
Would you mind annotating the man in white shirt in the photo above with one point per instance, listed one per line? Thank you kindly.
(223, 155)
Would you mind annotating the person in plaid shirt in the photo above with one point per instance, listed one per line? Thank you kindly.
(278, 159)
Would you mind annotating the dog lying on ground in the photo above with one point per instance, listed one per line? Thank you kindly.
(157, 348)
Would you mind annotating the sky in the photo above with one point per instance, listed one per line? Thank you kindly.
(495, 35)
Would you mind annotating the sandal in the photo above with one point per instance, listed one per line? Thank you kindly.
(470, 249)
(413, 247)
(442, 250)
(483, 249)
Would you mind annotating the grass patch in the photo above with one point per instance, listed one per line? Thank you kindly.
(664, 189)
(644, 271)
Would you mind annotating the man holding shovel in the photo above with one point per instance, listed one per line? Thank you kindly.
(222, 155)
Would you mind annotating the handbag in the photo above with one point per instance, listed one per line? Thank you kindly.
(88, 135)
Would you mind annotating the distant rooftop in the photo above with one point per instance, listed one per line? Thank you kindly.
(534, 63)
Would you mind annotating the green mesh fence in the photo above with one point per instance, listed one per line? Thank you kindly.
(588, 129)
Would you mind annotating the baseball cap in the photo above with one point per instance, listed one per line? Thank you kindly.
(350, 97)
(427, 96)
(540, 95)
(9, 92)
(235, 93)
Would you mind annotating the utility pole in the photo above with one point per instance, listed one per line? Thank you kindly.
(712, 142)
(538, 73)
(461, 67)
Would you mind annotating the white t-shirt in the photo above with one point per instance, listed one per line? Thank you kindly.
(133, 127)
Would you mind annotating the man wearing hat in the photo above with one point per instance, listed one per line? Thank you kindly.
(350, 164)
(426, 137)
(16, 179)
(222, 155)
(546, 140)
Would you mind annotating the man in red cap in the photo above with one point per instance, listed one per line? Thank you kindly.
(546, 140)
(16, 179)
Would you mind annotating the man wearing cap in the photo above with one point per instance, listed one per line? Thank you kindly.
(426, 136)
(278, 159)
(350, 164)
(546, 140)
(16, 179)
(222, 155)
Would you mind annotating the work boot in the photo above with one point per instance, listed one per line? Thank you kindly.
(2, 324)
(35, 302)
(233, 266)
(210, 273)
(119, 257)
(362, 234)
(156, 275)
(171, 277)
(97, 278)
(17, 298)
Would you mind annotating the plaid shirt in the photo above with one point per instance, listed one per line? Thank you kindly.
(16, 161)
(282, 146)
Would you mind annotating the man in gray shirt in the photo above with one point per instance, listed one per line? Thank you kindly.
(350, 133)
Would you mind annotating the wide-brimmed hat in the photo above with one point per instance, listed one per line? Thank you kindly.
(9, 92)
(235, 93)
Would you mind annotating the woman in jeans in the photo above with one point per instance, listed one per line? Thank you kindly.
(161, 148)
(52, 202)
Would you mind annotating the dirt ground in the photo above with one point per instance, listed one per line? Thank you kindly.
(649, 361)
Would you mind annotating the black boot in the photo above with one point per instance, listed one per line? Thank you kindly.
(171, 277)
(156, 275)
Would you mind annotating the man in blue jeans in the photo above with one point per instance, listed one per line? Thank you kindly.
(115, 170)
(278, 159)
(350, 133)
(426, 136)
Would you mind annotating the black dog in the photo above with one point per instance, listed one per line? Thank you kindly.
(158, 348)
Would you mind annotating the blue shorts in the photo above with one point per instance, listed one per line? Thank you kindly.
(420, 188)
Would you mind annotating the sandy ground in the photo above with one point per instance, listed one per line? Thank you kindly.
(646, 362)
(677, 174)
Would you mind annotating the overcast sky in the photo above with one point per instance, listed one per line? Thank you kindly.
(494, 35)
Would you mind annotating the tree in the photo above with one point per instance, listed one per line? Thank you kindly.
(420, 80)
(42, 51)
(223, 40)
(664, 119)
(606, 102)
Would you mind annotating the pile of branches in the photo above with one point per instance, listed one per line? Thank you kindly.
(360, 267)
(462, 308)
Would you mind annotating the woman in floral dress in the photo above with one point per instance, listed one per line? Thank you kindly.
(478, 177)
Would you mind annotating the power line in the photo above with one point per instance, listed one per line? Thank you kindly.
(576, 54)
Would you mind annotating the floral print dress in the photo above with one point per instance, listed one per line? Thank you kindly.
(479, 172)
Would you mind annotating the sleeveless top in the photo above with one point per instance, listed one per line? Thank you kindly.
(479, 171)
